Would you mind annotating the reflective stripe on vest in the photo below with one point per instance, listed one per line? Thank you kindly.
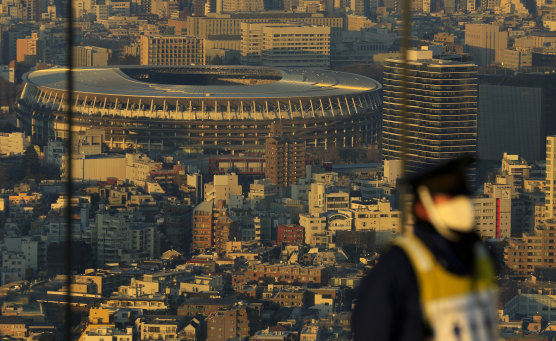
(456, 307)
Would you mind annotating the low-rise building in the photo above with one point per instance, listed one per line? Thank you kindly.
(237, 322)
(290, 235)
(533, 250)
(281, 273)
(13, 326)
(159, 327)
(13, 143)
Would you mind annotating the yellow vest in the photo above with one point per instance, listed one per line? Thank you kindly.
(456, 307)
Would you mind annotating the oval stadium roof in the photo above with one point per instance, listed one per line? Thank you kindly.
(288, 82)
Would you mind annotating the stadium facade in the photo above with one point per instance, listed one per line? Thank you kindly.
(203, 108)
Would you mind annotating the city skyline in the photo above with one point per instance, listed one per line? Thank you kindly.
(234, 165)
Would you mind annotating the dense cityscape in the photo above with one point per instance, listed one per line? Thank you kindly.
(235, 164)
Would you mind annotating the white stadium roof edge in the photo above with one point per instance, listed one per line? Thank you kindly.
(294, 82)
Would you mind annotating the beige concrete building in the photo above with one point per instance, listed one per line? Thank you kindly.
(321, 200)
(138, 168)
(89, 142)
(230, 24)
(485, 43)
(315, 228)
(339, 221)
(516, 59)
(30, 47)
(222, 187)
(285, 45)
(233, 6)
(159, 327)
(375, 215)
(378, 216)
(163, 8)
(358, 22)
(172, 50)
(13, 143)
(90, 56)
(310, 6)
(134, 168)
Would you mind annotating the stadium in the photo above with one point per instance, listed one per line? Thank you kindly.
(203, 108)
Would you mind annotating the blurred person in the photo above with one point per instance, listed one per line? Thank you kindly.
(437, 282)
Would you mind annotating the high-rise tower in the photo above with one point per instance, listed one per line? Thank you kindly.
(442, 109)
(284, 157)
(550, 189)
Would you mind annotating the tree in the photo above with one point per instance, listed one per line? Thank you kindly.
(30, 157)
(31, 162)
(129, 60)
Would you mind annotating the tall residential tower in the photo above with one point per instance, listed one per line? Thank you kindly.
(550, 189)
(442, 109)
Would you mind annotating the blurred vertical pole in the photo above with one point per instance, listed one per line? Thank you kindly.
(69, 170)
(406, 34)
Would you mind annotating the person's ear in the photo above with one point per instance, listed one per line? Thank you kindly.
(420, 211)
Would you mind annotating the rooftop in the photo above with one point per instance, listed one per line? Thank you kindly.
(233, 82)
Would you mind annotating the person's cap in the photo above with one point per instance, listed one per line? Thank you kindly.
(448, 177)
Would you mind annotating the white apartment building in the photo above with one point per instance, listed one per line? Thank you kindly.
(517, 168)
(285, 45)
(339, 221)
(138, 168)
(260, 191)
(493, 216)
(114, 237)
(375, 215)
(322, 200)
(13, 143)
(378, 216)
(110, 237)
(13, 267)
(145, 240)
(202, 283)
(223, 187)
(54, 153)
(21, 256)
(315, 228)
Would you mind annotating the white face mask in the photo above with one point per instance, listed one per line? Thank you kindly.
(455, 215)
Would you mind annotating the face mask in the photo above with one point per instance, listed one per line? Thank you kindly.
(449, 217)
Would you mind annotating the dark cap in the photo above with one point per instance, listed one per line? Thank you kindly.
(448, 177)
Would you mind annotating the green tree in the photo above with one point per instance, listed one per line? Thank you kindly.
(31, 163)
(30, 157)
(129, 60)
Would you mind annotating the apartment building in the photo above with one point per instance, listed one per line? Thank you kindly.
(284, 158)
(290, 235)
(533, 250)
(13, 143)
(485, 43)
(172, 50)
(442, 109)
(237, 322)
(90, 56)
(285, 45)
(283, 273)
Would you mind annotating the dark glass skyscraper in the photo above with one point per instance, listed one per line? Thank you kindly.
(442, 112)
